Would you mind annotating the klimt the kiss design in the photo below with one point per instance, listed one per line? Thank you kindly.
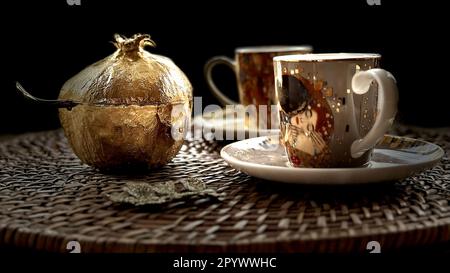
(321, 113)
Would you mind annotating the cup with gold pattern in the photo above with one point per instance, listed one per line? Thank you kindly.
(333, 108)
(253, 67)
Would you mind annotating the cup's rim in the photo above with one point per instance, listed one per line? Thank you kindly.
(324, 57)
(274, 48)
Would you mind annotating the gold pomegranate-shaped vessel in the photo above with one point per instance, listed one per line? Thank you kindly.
(129, 110)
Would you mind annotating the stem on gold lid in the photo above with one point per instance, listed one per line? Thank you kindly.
(137, 42)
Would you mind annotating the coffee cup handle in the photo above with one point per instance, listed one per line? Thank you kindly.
(386, 107)
(223, 99)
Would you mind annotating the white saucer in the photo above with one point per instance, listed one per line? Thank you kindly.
(393, 158)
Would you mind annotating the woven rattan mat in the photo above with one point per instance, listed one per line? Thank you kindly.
(48, 198)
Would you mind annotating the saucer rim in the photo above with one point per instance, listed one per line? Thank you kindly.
(402, 168)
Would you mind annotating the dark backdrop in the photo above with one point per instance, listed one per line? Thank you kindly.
(46, 42)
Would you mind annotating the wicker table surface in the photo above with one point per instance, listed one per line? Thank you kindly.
(48, 198)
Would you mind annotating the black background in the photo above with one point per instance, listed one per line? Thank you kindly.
(44, 43)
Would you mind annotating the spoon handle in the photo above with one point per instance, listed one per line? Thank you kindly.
(57, 103)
